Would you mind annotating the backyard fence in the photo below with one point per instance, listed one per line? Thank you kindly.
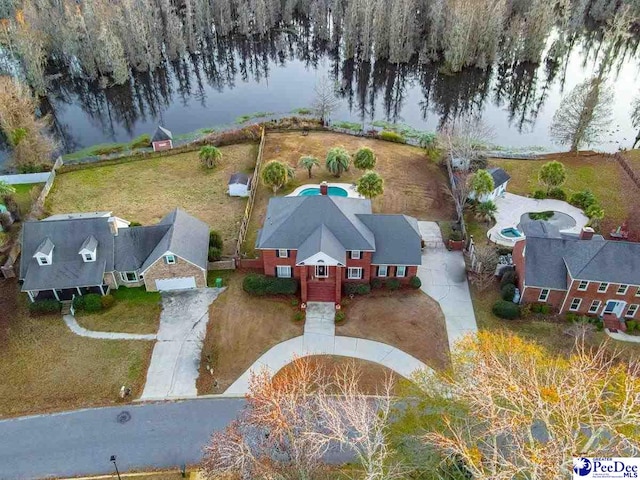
(229, 264)
(454, 188)
(242, 234)
(627, 168)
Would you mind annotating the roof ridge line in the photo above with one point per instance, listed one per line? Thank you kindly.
(592, 256)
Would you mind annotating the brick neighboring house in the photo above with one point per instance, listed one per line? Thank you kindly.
(326, 241)
(74, 254)
(584, 274)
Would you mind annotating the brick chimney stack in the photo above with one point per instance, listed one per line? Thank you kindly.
(586, 233)
(324, 188)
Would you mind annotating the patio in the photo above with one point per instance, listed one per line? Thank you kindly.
(511, 208)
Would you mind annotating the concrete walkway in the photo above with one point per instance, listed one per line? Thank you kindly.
(176, 355)
(444, 278)
(623, 337)
(83, 332)
(319, 339)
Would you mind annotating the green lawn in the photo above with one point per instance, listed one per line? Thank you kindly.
(135, 311)
(23, 195)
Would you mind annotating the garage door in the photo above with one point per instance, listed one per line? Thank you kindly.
(181, 283)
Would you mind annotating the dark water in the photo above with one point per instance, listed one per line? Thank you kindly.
(278, 75)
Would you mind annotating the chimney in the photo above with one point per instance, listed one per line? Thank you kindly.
(113, 226)
(586, 233)
(324, 188)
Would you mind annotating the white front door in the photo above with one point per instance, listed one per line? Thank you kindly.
(181, 283)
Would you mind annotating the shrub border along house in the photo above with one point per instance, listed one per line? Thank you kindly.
(262, 285)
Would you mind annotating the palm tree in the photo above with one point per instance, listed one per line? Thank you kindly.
(210, 156)
(595, 214)
(5, 188)
(338, 160)
(370, 185)
(486, 211)
(275, 175)
(364, 159)
(309, 162)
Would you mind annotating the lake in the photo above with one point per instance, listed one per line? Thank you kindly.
(214, 88)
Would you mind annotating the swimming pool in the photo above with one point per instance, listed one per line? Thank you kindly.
(335, 191)
(511, 233)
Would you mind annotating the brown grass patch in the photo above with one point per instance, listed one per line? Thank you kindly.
(372, 375)
(45, 367)
(240, 329)
(414, 185)
(146, 190)
(409, 320)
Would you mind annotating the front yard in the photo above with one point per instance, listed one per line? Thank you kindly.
(146, 190)
(618, 196)
(45, 367)
(414, 185)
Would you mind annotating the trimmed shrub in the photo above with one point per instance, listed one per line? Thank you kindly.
(294, 302)
(508, 291)
(45, 306)
(215, 254)
(376, 283)
(632, 325)
(107, 301)
(363, 289)
(539, 195)
(557, 193)
(390, 136)
(92, 302)
(78, 303)
(357, 289)
(298, 316)
(545, 309)
(261, 285)
(507, 310)
(340, 316)
(583, 199)
(215, 239)
(415, 282)
(393, 284)
(571, 317)
(508, 278)
(537, 308)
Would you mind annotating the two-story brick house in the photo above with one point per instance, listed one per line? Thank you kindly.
(325, 241)
(584, 274)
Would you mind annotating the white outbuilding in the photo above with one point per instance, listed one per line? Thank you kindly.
(239, 185)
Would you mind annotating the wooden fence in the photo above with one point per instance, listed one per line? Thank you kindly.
(454, 188)
(244, 226)
(627, 168)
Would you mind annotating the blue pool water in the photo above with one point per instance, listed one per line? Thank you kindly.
(511, 233)
(335, 191)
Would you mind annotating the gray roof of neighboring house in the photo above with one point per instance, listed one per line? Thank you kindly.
(134, 245)
(499, 176)
(398, 239)
(289, 221)
(67, 268)
(549, 255)
(161, 135)
(241, 178)
(322, 240)
(186, 237)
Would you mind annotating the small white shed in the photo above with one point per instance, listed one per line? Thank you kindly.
(239, 185)
(500, 182)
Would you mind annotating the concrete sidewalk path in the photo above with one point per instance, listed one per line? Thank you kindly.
(176, 355)
(75, 327)
(444, 278)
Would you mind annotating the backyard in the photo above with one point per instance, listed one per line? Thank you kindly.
(619, 197)
(414, 185)
(45, 367)
(146, 190)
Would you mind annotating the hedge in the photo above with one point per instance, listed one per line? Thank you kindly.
(393, 284)
(92, 302)
(508, 291)
(357, 288)
(557, 193)
(45, 306)
(390, 136)
(508, 277)
(539, 195)
(261, 285)
(107, 301)
(415, 282)
(376, 283)
(507, 310)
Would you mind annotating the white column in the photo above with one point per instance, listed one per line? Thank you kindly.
(101, 290)
(30, 293)
(78, 289)
(55, 294)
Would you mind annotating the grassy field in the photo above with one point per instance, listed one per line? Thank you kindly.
(135, 311)
(414, 185)
(45, 367)
(408, 320)
(619, 198)
(240, 329)
(146, 190)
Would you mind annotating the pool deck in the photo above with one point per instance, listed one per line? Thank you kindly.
(350, 188)
(511, 207)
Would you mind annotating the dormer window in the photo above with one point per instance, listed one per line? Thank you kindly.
(44, 253)
(88, 249)
(42, 260)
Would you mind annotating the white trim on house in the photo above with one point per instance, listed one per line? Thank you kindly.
(595, 306)
(320, 258)
(586, 285)
(357, 273)
(404, 271)
(631, 310)
(606, 287)
(124, 277)
(386, 271)
(169, 259)
(355, 254)
(326, 271)
(283, 271)
(624, 290)
(544, 292)
(576, 307)
(279, 253)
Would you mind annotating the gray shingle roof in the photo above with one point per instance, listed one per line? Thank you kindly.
(161, 135)
(322, 240)
(89, 244)
(241, 178)
(45, 248)
(398, 239)
(289, 221)
(67, 268)
(134, 245)
(499, 176)
(186, 237)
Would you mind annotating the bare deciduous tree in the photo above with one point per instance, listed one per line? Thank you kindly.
(464, 140)
(483, 268)
(325, 101)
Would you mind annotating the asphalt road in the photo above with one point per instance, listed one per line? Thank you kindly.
(77, 443)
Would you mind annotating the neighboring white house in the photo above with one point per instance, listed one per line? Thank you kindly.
(500, 182)
(239, 185)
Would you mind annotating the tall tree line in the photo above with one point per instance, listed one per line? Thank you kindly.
(106, 39)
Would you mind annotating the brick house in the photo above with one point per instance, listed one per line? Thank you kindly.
(584, 274)
(74, 254)
(326, 241)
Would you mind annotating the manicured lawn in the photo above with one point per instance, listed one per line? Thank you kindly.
(45, 367)
(240, 329)
(619, 198)
(408, 320)
(135, 311)
(414, 185)
(146, 190)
